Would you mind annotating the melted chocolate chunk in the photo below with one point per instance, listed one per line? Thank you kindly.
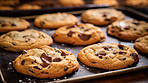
(87, 30)
(121, 46)
(105, 14)
(24, 52)
(57, 60)
(70, 33)
(135, 56)
(94, 62)
(124, 59)
(31, 71)
(64, 54)
(23, 62)
(108, 19)
(59, 51)
(13, 44)
(13, 24)
(44, 72)
(38, 67)
(73, 26)
(46, 60)
(102, 54)
(42, 23)
(43, 36)
(107, 48)
(100, 57)
(127, 27)
(81, 27)
(121, 52)
(66, 68)
(136, 22)
(135, 29)
(84, 36)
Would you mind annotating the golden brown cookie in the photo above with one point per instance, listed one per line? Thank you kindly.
(137, 3)
(128, 29)
(102, 16)
(18, 41)
(106, 2)
(108, 56)
(10, 24)
(80, 34)
(6, 8)
(72, 2)
(55, 20)
(46, 62)
(141, 44)
(28, 7)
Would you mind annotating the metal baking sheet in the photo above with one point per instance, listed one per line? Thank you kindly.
(84, 73)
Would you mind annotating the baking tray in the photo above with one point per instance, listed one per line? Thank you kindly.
(9, 75)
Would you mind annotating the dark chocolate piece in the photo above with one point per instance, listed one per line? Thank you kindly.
(135, 56)
(70, 33)
(46, 60)
(57, 60)
(84, 36)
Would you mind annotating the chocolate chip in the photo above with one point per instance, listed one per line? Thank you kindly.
(102, 54)
(38, 67)
(124, 58)
(43, 36)
(73, 26)
(84, 36)
(46, 59)
(31, 71)
(135, 29)
(146, 30)
(112, 31)
(137, 40)
(81, 27)
(44, 73)
(135, 56)
(57, 60)
(24, 52)
(127, 27)
(23, 62)
(121, 52)
(115, 53)
(66, 68)
(13, 24)
(87, 30)
(59, 51)
(13, 44)
(108, 19)
(42, 23)
(100, 57)
(107, 48)
(3, 25)
(94, 62)
(121, 46)
(136, 22)
(63, 54)
(105, 14)
(70, 33)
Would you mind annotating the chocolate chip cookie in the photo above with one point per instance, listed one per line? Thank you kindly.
(46, 62)
(18, 41)
(106, 2)
(137, 3)
(28, 7)
(102, 17)
(108, 56)
(56, 20)
(128, 29)
(141, 44)
(10, 24)
(72, 2)
(79, 34)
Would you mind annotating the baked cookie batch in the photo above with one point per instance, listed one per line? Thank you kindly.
(40, 60)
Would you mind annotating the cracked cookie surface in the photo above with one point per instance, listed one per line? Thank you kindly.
(141, 44)
(55, 20)
(128, 29)
(79, 34)
(46, 62)
(10, 24)
(108, 56)
(18, 41)
(102, 17)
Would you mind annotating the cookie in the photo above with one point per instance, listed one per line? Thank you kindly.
(106, 2)
(10, 24)
(18, 41)
(72, 2)
(102, 17)
(128, 29)
(28, 7)
(6, 8)
(141, 44)
(80, 34)
(108, 56)
(46, 62)
(55, 20)
(137, 3)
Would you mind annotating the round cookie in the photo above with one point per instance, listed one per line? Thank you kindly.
(108, 56)
(106, 2)
(80, 34)
(141, 44)
(137, 3)
(28, 7)
(46, 62)
(55, 20)
(10, 24)
(128, 29)
(101, 17)
(18, 41)
(72, 2)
